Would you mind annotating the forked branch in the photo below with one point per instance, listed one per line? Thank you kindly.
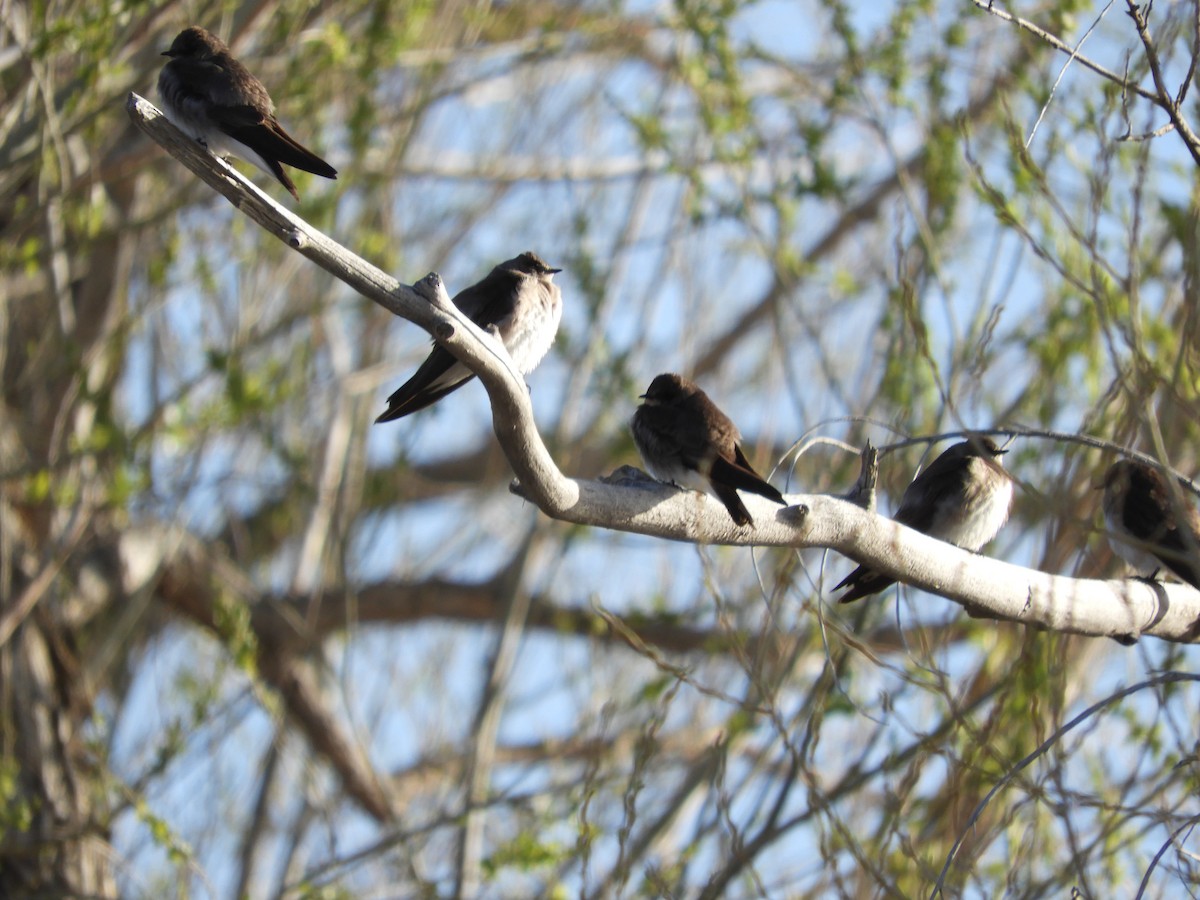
(631, 502)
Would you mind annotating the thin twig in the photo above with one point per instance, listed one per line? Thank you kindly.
(1164, 98)
(1063, 71)
(1066, 48)
(1167, 678)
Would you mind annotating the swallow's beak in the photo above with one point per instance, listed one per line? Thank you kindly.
(641, 396)
(553, 271)
(166, 53)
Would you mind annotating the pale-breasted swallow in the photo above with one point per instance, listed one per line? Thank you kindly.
(518, 302)
(963, 497)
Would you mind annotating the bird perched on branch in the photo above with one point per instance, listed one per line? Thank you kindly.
(518, 302)
(963, 497)
(210, 96)
(1150, 526)
(685, 440)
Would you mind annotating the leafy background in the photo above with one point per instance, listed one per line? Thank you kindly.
(251, 645)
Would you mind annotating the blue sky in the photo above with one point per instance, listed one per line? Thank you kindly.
(680, 282)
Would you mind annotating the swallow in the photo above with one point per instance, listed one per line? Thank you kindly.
(518, 302)
(213, 98)
(685, 440)
(1148, 526)
(963, 497)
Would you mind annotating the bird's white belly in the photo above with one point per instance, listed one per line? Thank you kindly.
(218, 143)
(974, 530)
(677, 474)
(532, 337)
(1129, 548)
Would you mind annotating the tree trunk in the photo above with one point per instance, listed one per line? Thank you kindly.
(54, 843)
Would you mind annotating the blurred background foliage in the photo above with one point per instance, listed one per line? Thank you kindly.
(251, 645)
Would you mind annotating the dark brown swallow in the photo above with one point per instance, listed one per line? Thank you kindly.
(1149, 526)
(212, 97)
(963, 497)
(518, 302)
(685, 440)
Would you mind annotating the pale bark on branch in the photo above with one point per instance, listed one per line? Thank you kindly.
(632, 503)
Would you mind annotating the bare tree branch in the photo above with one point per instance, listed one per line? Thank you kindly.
(1164, 98)
(630, 501)
(190, 581)
(1066, 48)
